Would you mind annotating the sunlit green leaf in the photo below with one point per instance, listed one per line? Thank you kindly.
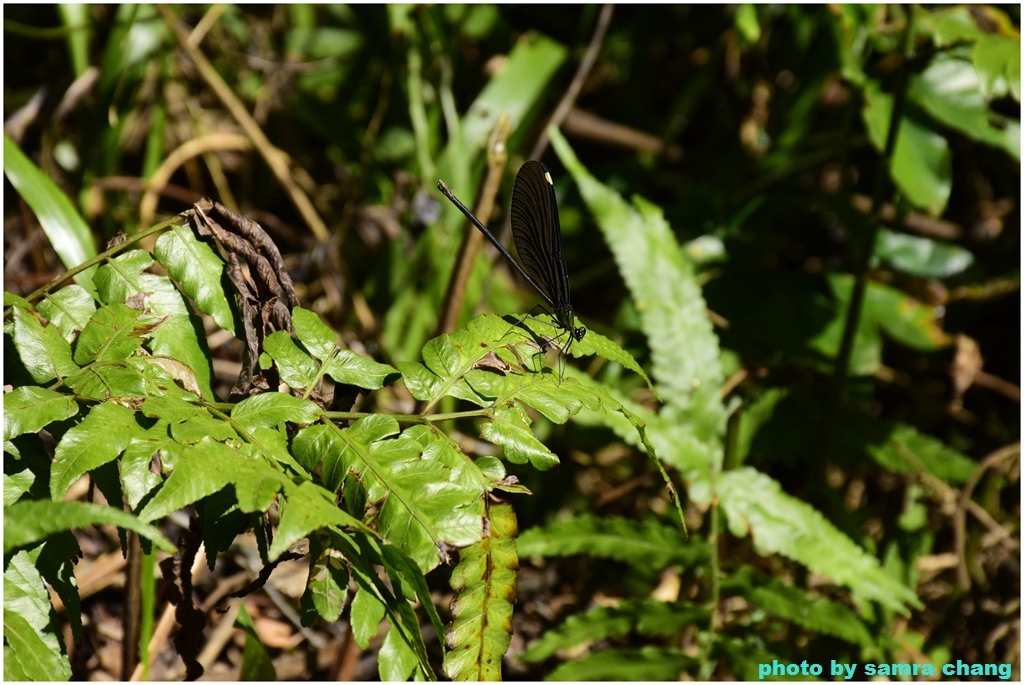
(397, 661)
(950, 90)
(12, 300)
(199, 270)
(208, 466)
(746, 23)
(137, 477)
(297, 368)
(113, 333)
(922, 164)
(354, 369)
(43, 351)
(922, 257)
(308, 508)
(367, 613)
(327, 585)
(180, 336)
(70, 308)
(270, 409)
(98, 439)
(30, 521)
(103, 380)
(908, 321)
(997, 59)
(950, 25)
(28, 409)
(313, 333)
(510, 430)
(119, 278)
(425, 502)
(32, 651)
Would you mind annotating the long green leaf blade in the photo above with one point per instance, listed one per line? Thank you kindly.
(799, 606)
(64, 226)
(30, 521)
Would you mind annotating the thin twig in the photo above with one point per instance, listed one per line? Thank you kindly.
(135, 184)
(188, 150)
(568, 100)
(315, 639)
(582, 124)
(914, 222)
(960, 515)
(1010, 391)
(276, 159)
(347, 659)
(863, 258)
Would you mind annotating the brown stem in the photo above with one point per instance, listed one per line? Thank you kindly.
(496, 158)
(586, 125)
(133, 607)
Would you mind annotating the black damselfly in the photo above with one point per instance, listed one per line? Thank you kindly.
(538, 239)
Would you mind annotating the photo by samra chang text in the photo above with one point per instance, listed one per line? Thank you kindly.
(842, 671)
